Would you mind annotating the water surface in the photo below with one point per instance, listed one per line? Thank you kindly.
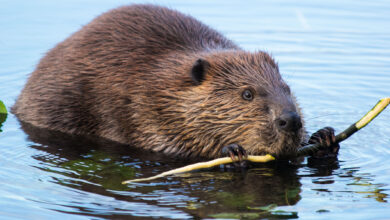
(335, 56)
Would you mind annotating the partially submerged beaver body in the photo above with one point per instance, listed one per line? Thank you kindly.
(157, 79)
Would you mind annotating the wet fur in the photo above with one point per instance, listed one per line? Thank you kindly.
(126, 76)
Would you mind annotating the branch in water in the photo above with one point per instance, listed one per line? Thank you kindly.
(202, 165)
(378, 108)
(303, 151)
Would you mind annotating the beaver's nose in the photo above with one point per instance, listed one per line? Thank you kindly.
(289, 121)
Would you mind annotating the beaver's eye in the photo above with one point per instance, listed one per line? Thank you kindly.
(247, 95)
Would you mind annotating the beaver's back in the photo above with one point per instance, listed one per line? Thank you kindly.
(87, 83)
(143, 33)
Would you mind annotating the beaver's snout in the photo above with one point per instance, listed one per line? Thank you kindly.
(289, 121)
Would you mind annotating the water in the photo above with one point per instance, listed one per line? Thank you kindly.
(335, 56)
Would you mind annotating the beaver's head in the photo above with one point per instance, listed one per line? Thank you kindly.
(239, 97)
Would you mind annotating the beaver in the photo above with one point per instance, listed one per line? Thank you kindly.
(157, 79)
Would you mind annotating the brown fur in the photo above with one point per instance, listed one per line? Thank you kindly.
(126, 76)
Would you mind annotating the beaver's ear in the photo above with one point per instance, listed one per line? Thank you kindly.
(198, 71)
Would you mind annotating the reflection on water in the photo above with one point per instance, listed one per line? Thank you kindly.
(96, 165)
(335, 56)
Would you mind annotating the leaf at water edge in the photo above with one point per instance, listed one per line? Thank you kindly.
(3, 114)
(3, 109)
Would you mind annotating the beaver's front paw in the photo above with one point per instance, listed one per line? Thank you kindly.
(237, 153)
(327, 139)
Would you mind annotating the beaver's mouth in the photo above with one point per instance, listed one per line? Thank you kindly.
(279, 143)
(288, 144)
(269, 140)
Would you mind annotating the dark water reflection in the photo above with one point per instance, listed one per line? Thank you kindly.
(334, 54)
(93, 166)
(99, 166)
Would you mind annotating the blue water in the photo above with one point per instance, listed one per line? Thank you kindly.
(334, 54)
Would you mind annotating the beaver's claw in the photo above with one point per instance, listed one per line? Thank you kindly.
(234, 151)
(327, 139)
(237, 153)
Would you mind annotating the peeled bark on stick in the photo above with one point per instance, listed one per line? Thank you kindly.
(202, 165)
(303, 151)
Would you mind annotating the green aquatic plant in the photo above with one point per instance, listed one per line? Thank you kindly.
(3, 114)
(3, 109)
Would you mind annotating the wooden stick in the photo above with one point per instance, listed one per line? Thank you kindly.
(303, 151)
(367, 118)
(202, 165)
